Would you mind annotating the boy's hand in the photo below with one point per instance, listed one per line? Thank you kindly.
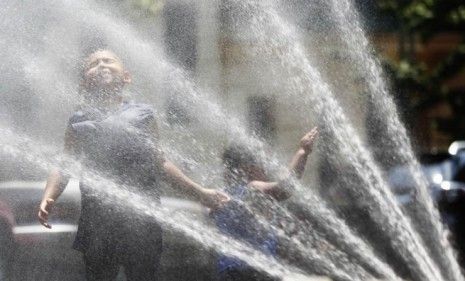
(44, 210)
(214, 199)
(307, 141)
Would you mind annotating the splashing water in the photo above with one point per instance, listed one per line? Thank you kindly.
(209, 112)
(106, 190)
(377, 193)
(273, 33)
(427, 216)
(43, 157)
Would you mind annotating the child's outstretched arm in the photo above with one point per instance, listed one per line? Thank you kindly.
(297, 164)
(296, 167)
(209, 197)
(56, 183)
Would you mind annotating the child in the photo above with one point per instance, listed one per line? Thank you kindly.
(118, 140)
(243, 175)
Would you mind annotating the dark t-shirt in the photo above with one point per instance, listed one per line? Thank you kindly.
(118, 145)
(239, 222)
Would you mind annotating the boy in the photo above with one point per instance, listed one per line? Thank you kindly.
(243, 176)
(118, 140)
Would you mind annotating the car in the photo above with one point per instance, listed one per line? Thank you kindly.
(30, 251)
(445, 178)
(446, 184)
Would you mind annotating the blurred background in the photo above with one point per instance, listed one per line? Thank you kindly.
(422, 46)
(420, 43)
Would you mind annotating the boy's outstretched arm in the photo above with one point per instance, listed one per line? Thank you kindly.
(296, 167)
(56, 183)
(209, 197)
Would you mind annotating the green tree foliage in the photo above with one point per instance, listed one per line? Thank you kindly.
(420, 86)
(150, 6)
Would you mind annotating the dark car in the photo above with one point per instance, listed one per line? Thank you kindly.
(30, 251)
(446, 183)
(445, 178)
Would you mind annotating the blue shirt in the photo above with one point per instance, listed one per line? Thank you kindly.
(239, 223)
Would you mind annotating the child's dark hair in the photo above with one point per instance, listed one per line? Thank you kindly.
(237, 158)
(239, 161)
(236, 155)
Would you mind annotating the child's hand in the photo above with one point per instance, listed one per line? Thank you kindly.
(44, 210)
(214, 199)
(307, 141)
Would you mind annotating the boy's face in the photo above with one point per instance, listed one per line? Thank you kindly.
(103, 70)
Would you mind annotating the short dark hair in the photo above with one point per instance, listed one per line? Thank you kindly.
(236, 155)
